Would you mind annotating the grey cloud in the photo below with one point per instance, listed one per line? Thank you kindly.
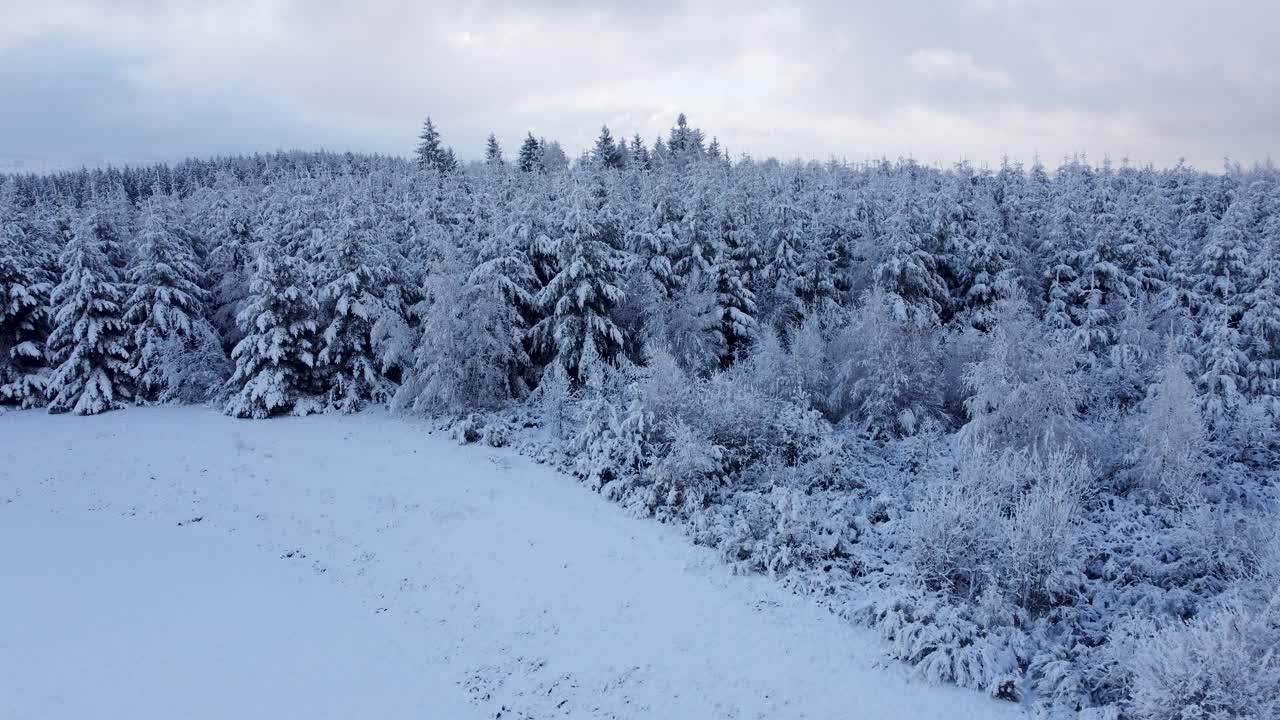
(978, 79)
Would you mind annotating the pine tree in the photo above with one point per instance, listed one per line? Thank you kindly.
(1260, 329)
(578, 302)
(493, 152)
(228, 216)
(993, 262)
(788, 236)
(1224, 269)
(24, 320)
(276, 360)
(1169, 456)
(530, 155)
(956, 231)
(167, 300)
(605, 151)
(684, 145)
(1101, 287)
(1144, 247)
(656, 242)
(88, 345)
(431, 153)
(471, 355)
(713, 150)
(553, 158)
(639, 153)
(1060, 252)
(353, 280)
(735, 303)
(909, 275)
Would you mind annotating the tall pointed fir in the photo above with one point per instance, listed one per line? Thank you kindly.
(1101, 288)
(276, 359)
(639, 153)
(909, 274)
(788, 225)
(24, 318)
(736, 304)
(493, 152)
(578, 303)
(471, 354)
(1059, 252)
(353, 279)
(167, 301)
(227, 213)
(431, 153)
(530, 159)
(606, 151)
(1224, 272)
(1260, 328)
(89, 342)
(993, 264)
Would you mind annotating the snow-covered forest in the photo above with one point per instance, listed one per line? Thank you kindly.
(1023, 421)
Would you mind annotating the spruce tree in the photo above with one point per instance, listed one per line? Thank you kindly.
(1101, 287)
(353, 281)
(167, 301)
(450, 162)
(735, 303)
(579, 301)
(1224, 274)
(639, 153)
(1260, 328)
(493, 151)
(909, 275)
(606, 151)
(471, 355)
(89, 342)
(228, 217)
(431, 153)
(1059, 252)
(530, 155)
(276, 360)
(24, 318)
(788, 237)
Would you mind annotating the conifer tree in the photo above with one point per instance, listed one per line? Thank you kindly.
(993, 263)
(89, 341)
(493, 151)
(276, 360)
(639, 153)
(1059, 252)
(450, 162)
(1260, 327)
(578, 302)
(431, 153)
(231, 258)
(351, 295)
(167, 300)
(1224, 272)
(530, 155)
(24, 318)
(735, 303)
(605, 151)
(471, 355)
(1100, 288)
(909, 275)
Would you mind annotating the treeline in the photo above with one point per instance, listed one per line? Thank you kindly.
(1069, 381)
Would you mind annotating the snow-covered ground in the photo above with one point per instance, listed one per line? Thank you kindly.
(171, 562)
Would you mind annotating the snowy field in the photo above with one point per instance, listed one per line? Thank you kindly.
(172, 562)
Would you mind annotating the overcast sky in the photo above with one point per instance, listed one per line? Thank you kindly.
(86, 81)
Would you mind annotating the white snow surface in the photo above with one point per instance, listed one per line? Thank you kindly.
(172, 562)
